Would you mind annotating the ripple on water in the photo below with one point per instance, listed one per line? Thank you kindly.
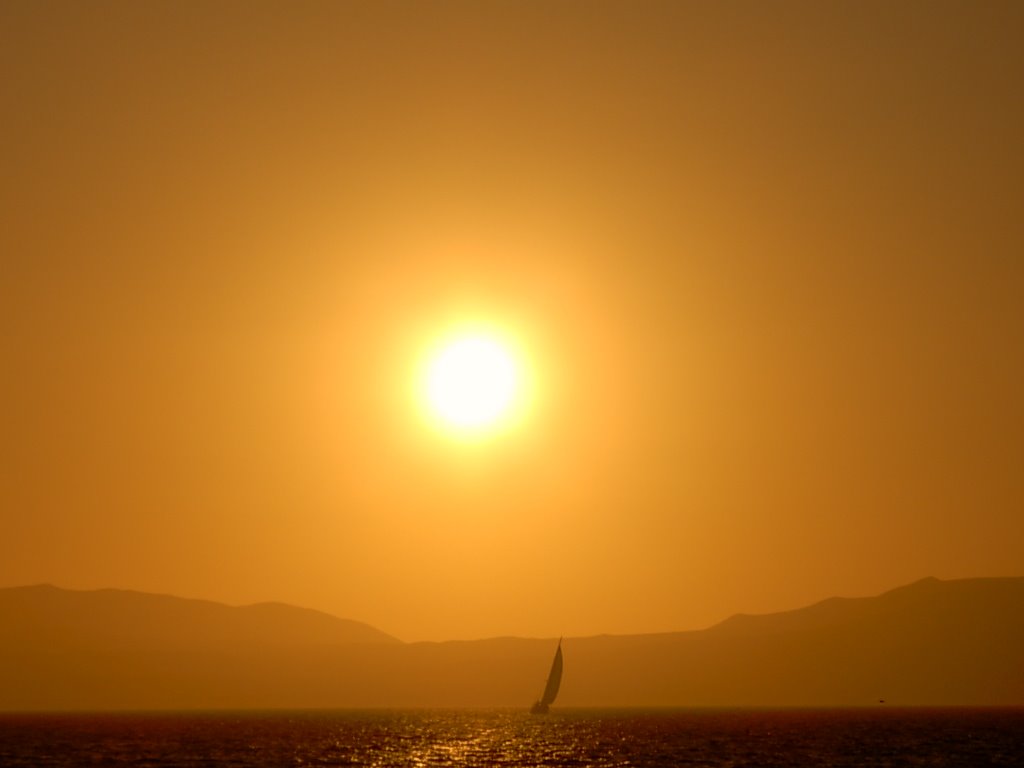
(596, 738)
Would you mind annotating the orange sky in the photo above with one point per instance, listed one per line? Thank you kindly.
(767, 260)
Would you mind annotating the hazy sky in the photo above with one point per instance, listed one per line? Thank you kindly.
(766, 261)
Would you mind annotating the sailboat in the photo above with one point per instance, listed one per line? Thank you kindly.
(540, 707)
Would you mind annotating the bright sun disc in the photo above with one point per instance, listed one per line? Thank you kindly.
(471, 383)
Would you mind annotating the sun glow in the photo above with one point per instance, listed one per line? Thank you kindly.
(473, 384)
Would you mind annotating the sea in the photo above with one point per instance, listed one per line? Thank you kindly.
(878, 736)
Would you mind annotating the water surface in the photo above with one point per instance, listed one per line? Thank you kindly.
(847, 737)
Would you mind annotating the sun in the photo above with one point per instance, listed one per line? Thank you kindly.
(472, 383)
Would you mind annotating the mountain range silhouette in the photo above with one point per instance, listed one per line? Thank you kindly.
(928, 643)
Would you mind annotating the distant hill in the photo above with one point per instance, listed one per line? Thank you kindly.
(929, 643)
(114, 619)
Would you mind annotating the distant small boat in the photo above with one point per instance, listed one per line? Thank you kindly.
(540, 707)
